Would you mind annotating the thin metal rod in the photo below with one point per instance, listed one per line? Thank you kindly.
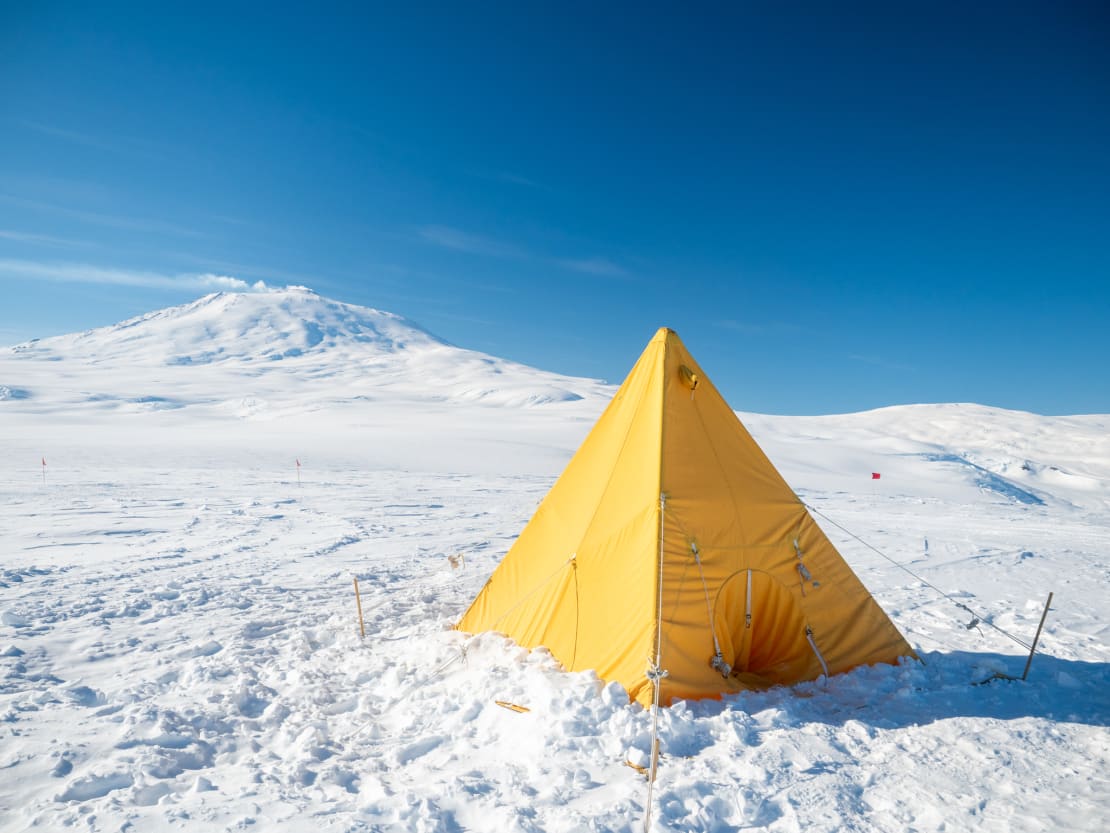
(358, 601)
(657, 680)
(1044, 615)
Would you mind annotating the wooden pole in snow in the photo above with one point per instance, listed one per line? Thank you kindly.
(358, 601)
(1033, 648)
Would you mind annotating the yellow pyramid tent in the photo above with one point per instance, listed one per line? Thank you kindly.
(670, 542)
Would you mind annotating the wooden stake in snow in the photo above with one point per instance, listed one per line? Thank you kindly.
(358, 601)
(1033, 648)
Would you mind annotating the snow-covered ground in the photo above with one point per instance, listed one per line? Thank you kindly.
(179, 644)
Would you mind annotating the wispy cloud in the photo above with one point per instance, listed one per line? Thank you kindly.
(455, 318)
(463, 241)
(594, 266)
(67, 135)
(114, 144)
(99, 218)
(25, 270)
(742, 327)
(878, 361)
(448, 237)
(514, 179)
(749, 328)
(235, 221)
(507, 178)
(40, 239)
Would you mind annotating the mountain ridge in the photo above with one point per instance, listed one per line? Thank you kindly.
(272, 344)
(301, 311)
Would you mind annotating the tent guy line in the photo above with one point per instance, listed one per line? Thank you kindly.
(977, 618)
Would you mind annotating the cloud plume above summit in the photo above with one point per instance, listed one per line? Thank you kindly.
(65, 272)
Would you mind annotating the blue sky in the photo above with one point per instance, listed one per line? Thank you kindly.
(838, 208)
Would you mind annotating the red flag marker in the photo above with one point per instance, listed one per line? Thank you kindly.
(875, 475)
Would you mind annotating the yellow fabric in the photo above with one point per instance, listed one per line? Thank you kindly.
(583, 577)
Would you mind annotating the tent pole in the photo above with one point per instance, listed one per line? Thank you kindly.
(358, 601)
(655, 673)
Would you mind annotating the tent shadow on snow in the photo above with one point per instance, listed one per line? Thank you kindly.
(943, 688)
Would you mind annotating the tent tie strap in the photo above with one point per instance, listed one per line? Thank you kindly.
(803, 570)
(654, 673)
(718, 661)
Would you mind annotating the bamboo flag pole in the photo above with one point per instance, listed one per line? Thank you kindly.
(1033, 648)
(298, 471)
(358, 601)
(43, 471)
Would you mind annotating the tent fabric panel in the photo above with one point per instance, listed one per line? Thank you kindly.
(616, 581)
(712, 464)
(591, 546)
(553, 534)
(848, 624)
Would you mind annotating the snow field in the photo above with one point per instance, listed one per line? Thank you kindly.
(179, 647)
(180, 651)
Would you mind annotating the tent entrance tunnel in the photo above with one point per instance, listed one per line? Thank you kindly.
(671, 550)
(754, 617)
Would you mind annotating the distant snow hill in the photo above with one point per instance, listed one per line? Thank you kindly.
(252, 352)
(309, 375)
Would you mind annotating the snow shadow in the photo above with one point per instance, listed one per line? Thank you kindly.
(944, 686)
(986, 479)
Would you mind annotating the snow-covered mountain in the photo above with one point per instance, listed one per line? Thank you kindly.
(239, 327)
(252, 354)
